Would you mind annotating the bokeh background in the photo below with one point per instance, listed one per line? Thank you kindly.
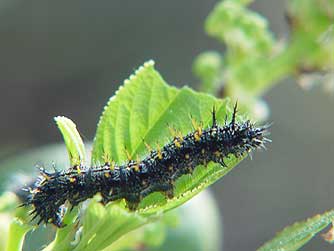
(68, 57)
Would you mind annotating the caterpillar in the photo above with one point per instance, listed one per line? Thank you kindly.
(135, 180)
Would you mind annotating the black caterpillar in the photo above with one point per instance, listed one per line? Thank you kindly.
(137, 179)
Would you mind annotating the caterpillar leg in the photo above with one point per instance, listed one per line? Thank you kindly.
(132, 201)
(110, 195)
(188, 169)
(166, 188)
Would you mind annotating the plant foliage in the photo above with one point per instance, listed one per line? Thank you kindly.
(140, 111)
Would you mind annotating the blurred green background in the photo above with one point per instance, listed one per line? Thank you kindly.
(68, 57)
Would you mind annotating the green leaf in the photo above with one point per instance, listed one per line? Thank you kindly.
(254, 61)
(141, 109)
(102, 225)
(17, 232)
(294, 237)
(73, 141)
(65, 236)
(244, 32)
(14, 223)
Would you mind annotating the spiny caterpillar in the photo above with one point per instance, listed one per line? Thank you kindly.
(137, 179)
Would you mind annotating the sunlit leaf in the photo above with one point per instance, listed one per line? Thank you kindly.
(297, 235)
(73, 141)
